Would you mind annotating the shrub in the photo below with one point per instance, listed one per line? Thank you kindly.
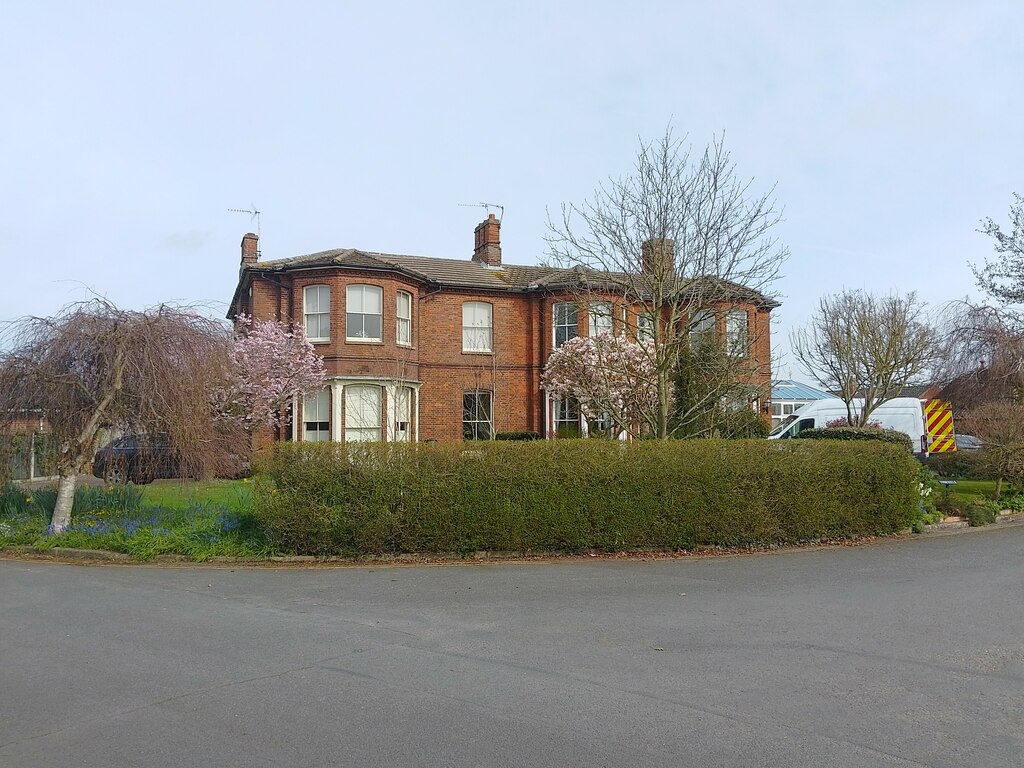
(1013, 502)
(949, 506)
(968, 465)
(981, 513)
(517, 436)
(742, 423)
(573, 495)
(858, 433)
(930, 491)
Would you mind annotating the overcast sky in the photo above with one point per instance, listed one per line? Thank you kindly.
(889, 129)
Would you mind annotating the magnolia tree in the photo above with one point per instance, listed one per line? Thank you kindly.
(610, 375)
(269, 364)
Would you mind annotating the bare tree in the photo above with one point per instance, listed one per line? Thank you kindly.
(679, 240)
(981, 357)
(866, 347)
(95, 367)
(1003, 278)
(1000, 426)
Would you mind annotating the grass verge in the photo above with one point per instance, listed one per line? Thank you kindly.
(196, 520)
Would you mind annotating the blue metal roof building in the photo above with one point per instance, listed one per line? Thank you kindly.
(787, 389)
(789, 396)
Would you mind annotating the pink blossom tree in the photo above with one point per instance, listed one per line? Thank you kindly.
(270, 363)
(610, 375)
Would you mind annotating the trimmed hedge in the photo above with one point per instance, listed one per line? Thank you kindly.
(857, 433)
(970, 465)
(517, 436)
(574, 495)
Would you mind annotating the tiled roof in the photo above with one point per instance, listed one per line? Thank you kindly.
(465, 273)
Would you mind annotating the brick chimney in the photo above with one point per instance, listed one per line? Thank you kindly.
(657, 256)
(488, 245)
(250, 249)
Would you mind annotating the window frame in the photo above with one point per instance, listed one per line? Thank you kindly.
(737, 340)
(701, 332)
(319, 313)
(600, 313)
(471, 427)
(475, 329)
(348, 313)
(644, 325)
(403, 322)
(322, 431)
(352, 430)
(564, 324)
(567, 417)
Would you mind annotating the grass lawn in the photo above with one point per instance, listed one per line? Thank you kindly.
(196, 519)
(966, 491)
(236, 495)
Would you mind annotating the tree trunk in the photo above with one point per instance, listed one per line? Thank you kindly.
(65, 498)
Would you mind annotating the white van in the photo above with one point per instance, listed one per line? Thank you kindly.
(903, 414)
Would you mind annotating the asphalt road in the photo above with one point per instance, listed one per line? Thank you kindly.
(905, 653)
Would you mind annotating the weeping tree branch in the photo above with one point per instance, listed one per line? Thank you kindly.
(94, 368)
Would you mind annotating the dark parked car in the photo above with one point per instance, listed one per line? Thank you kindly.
(135, 459)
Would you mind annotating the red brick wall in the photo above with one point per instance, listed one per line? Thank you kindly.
(521, 342)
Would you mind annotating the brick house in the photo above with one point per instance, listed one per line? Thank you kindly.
(420, 348)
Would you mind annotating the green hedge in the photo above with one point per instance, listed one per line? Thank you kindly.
(576, 495)
(970, 465)
(857, 433)
(517, 436)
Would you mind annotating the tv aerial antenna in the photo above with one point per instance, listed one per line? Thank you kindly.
(487, 207)
(253, 214)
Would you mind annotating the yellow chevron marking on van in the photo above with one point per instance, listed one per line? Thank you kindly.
(939, 418)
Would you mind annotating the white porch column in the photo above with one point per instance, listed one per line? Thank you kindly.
(337, 399)
(390, 413)
(416, 414)
(296, 420)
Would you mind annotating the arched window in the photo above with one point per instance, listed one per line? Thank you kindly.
(316, 309)
(477, 326)
(363, 312)
(477, 415)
